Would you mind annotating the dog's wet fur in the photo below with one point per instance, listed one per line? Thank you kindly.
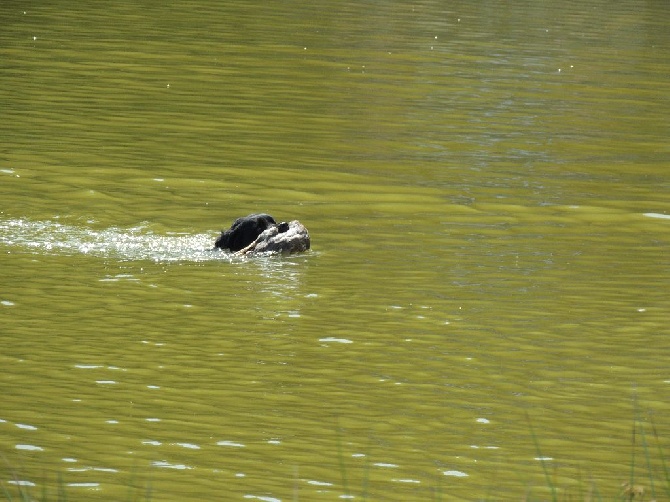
(244, 231)
(260, 233)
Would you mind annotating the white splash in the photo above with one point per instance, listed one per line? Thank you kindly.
(137, 243)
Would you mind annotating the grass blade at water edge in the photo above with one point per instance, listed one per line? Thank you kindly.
(664, 465)
(340, 457)
(542, 461)
(645, 448)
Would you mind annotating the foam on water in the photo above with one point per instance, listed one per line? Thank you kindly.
(137, 243)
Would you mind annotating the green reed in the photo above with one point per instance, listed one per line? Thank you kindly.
(648, 473)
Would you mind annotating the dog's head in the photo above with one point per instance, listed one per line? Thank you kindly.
(244, 231)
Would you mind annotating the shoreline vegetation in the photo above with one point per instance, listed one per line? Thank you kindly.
(648, 479)
(19, 490)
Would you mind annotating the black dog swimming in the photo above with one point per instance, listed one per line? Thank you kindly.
(260, 233)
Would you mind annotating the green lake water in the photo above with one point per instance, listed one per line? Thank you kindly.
(487, 189)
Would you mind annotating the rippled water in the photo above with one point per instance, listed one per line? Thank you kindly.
(486, 188)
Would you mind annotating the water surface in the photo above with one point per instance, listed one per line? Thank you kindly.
(486, 188)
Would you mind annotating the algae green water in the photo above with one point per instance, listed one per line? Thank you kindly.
(487, 188)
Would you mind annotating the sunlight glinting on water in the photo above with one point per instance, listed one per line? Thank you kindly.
(136, 243)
